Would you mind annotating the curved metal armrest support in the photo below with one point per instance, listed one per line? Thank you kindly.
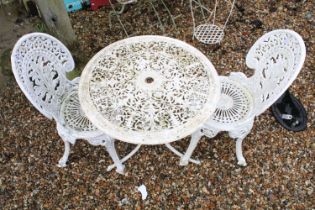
(250, 62)
(238, 76)
(75, 81)
(242, 79)
(74, 84)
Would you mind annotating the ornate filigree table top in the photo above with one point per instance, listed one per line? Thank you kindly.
(149, 89)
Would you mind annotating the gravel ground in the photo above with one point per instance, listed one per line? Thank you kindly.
(280, 171)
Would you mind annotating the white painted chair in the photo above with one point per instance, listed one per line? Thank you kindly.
(39, 63)
(277, 58)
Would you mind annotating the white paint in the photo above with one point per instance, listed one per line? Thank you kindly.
(143, 190)
(39, 63)
(116, 97)
(283, 49)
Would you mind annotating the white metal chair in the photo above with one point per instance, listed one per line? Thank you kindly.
(39, 63)
(277, 58)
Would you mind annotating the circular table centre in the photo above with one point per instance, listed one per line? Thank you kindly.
(149, 80)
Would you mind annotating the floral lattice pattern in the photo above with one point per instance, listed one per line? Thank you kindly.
(40, 64)
(150, 87)
(276, 59)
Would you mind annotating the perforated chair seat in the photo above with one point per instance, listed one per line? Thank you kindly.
(73, 117)
(276, 58)
(234, 106)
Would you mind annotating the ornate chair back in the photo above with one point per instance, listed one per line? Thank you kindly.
(39, 63)
(277, 58)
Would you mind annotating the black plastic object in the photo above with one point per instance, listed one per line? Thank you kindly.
(290, 113)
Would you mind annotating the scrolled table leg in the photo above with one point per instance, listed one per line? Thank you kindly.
(195, 137)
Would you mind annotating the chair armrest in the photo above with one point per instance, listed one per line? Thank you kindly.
(75, 81)
(238, 76)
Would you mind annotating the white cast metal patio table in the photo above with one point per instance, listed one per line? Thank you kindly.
(149, 89)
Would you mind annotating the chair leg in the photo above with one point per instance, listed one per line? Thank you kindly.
(67, 139)
(239, 153)
(63, 160)
(110, 147)
(239, 134)
(195, 137)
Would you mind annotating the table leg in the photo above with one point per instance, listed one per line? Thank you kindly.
(110, 147)
(110, 167)
(176, 152)
(195, 137)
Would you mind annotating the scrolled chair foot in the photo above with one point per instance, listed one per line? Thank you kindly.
(183, 162)
(62, 162)
(121, 170)
(64, 159)
(242, 162)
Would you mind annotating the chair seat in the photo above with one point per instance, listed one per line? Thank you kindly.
(73, 117)
(234, 106)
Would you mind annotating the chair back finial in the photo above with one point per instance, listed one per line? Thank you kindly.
(277, 58)
(39, 63)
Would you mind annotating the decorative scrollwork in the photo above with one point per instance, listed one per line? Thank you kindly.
(277, 57)
(40, 63)
(150, 85)
(146, 89)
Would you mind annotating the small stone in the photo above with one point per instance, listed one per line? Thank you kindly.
(308, 182)
(257, 23)
(205, 190)
(285, 202)
(124, 201)
(272, 9)
(308, 15)
(310, 191)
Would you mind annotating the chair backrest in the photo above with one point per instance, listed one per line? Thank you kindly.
(39, 63)
(277, 58)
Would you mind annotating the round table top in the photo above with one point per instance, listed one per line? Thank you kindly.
(149, 89)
